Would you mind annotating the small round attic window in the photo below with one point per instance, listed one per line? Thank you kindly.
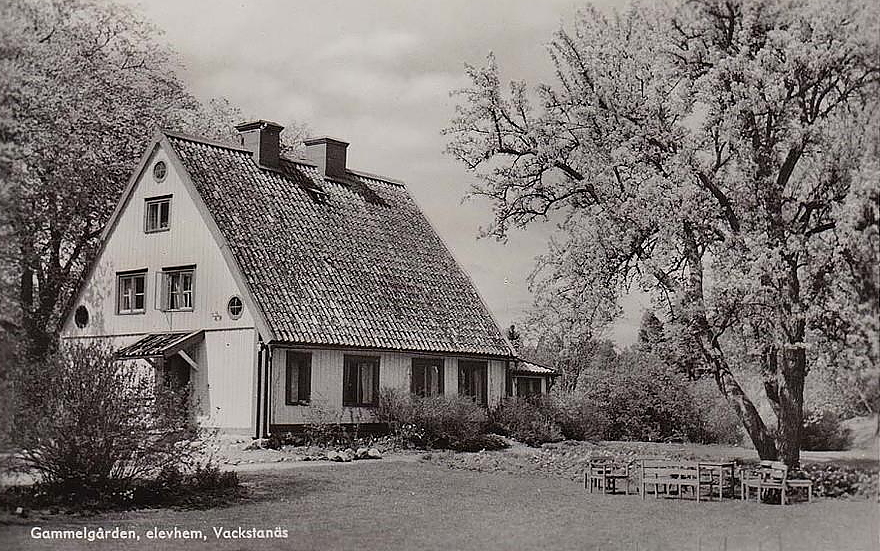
(159, 171)
(235, 308)
(81, 316)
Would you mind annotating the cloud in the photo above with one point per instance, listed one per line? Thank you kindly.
(381, 46)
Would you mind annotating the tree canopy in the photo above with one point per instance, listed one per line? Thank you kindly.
(711, 151)
(85, 84)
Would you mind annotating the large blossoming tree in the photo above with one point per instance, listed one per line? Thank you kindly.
(715, 152)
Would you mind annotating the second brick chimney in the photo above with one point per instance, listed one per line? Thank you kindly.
(328, 154)
(263, 139)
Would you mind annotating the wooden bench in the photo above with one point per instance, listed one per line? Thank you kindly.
(771, 476)
(604, 475)
(669, 474)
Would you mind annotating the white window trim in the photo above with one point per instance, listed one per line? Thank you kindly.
(156, 201)
(130, 275)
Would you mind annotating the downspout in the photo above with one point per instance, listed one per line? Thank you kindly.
(259, 401)
(267, 406)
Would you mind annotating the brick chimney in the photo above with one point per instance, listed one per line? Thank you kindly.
(263, 139)
(328, 154)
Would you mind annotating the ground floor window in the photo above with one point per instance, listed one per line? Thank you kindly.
(427, 376)
(527, 386)
(360, 381)
(298, 380)
(473, 380)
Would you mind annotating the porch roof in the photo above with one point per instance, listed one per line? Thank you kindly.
(159, 345)
(522, 367)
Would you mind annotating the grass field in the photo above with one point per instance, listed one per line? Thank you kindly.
(415, 505)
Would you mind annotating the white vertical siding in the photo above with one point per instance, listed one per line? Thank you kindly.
(225, 380)
(187, 241)
(327, 365)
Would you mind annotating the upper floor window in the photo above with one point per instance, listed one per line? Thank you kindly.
(131, 290)
(360, 381)
(427, 376)
(157, 214)
(178, 288)
(473, 380)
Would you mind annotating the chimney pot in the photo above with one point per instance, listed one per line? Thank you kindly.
(329, 154)
(263, 139)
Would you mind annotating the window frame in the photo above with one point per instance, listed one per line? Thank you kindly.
(132, 276)
(229, 306)
(306, 359)
(465, 366)
(349, 361)
(148, 202)
(166, 291)
(532, 379)
(424, 363)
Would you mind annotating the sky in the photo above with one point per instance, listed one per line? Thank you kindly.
(378, 75)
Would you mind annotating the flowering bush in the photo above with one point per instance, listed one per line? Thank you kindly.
(837, 481)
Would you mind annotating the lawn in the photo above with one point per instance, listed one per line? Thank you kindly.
(417, 505)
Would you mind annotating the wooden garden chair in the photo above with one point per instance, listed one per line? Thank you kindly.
(604, 475)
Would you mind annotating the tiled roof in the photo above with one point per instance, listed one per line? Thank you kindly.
(522, 366)
(352, 263)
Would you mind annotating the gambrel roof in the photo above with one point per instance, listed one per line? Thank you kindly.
(348, 261)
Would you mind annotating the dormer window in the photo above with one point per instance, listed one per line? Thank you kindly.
(157, 214)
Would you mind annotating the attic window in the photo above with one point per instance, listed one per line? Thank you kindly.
(235, 308)
(157, 214)
(160, 170)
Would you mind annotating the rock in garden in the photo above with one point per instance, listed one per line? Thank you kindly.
(361, 453)
(344, 456)
(373, 453)
(334, 456)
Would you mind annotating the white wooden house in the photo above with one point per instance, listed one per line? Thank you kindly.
(274, 285)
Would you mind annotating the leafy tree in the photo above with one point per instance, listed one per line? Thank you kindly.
(650, 330)
(703, 149)
(85, 84)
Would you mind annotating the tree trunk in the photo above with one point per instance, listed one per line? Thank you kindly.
(747, 413)
(710, 348)
(791, 402)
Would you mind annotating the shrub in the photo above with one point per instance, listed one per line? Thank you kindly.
(823, 431)
(529, 420)
(578, 416)
(837, 481)
(488, 442)
(431, 422)
(90, 426)
(717, 422)
(644, 399)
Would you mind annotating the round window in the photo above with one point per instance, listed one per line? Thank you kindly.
(81, 316)
(235, 308)
(159, 171)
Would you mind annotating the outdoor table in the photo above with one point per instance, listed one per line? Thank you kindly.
(716, 471)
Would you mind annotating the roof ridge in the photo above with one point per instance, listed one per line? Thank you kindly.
(202, 140)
